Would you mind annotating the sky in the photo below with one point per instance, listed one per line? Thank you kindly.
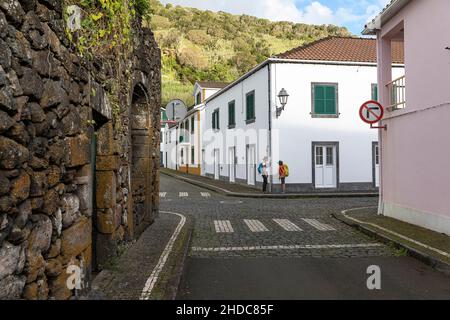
(352, 14)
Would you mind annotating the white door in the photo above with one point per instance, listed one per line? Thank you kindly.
(216, 164)
(325, 166)
(251, 165)
(232, 162)
(376, 155)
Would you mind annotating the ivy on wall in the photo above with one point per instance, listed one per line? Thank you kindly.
(105, 35)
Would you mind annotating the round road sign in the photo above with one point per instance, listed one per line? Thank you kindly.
(371, 112)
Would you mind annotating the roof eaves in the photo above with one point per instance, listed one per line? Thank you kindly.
(384, 16)
(237, 81)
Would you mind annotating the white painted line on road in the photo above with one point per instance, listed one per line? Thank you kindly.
(162, 194)
(183, 194)
(287, 225)
(446, 254)
(223, 226)
(319, 225)
(153, 279)
(205, 194)
(290, 247)
(255, 225)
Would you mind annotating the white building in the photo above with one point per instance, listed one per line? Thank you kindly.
(319, 135)
(183, 148)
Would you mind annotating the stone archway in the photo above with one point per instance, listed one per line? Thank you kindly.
(141, 164)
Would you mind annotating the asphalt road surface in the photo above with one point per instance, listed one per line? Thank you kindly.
(244, 249)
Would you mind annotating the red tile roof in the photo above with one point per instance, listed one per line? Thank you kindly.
(343, 49)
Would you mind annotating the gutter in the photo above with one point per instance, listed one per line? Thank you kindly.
(387, 14)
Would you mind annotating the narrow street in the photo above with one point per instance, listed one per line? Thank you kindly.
(288, 249)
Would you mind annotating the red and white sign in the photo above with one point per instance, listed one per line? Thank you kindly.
(371, 112)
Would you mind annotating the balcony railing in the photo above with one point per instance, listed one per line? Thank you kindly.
(397, 95)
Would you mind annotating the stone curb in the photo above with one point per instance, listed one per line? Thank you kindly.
(425, 258)
(180, 260)
(269, 196)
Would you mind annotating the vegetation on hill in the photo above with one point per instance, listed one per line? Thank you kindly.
(204, 45)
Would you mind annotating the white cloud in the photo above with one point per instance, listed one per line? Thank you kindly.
(313, 12)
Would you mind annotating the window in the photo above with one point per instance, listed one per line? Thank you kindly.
(198, 98)
(182, 156)
(192, 124)
(186, 131)
(161, 138)
(215, 120)
(250, 107)
(192, 155)
(324, 102)
(182, 132)
(330, 156)
(319, 155)
(231, 114)
(374, 92)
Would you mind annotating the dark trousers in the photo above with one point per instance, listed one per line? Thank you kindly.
(265, 178)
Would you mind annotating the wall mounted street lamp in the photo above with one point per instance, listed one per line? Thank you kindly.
(283, 96)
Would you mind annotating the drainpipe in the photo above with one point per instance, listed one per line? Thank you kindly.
(176, 148)
(270, 125)
(380, 177)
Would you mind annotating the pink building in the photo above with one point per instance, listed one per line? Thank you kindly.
(415, 148)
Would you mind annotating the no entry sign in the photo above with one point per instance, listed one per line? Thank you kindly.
(371, 112)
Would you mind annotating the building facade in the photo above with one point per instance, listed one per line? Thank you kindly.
(183, 141)
(414, 147)
(318, 135)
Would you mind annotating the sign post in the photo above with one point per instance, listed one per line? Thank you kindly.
(372, 112)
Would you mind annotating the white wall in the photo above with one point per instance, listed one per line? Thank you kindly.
(170, 148)
(294, 132)
(242, 134)
(298, 129)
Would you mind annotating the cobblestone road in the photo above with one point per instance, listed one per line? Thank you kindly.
(311, 217)
(279, 233)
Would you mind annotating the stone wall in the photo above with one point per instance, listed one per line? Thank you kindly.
(66, 185)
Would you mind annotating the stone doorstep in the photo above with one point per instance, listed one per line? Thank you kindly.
(169, 279)
(219, 189)
(429, 257)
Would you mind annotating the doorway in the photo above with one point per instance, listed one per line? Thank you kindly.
(376, 164)
(216, 164)
(232, 162)
(325, 159)
(251, 165)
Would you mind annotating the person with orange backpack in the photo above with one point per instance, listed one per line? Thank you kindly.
(283, 173)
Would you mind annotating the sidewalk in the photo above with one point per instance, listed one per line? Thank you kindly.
(428, 246)
(154, 262)
(237, 190)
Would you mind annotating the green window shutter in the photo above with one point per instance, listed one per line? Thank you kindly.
(375, 92)
(164, 115)
(325, 99)
(214, 120)
(330, 97)
(218, 120)
(247, 105)
(250, 106)
(231, 113)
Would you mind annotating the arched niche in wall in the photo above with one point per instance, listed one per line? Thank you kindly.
(141, 164)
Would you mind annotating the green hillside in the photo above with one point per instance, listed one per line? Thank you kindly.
(204, 45)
